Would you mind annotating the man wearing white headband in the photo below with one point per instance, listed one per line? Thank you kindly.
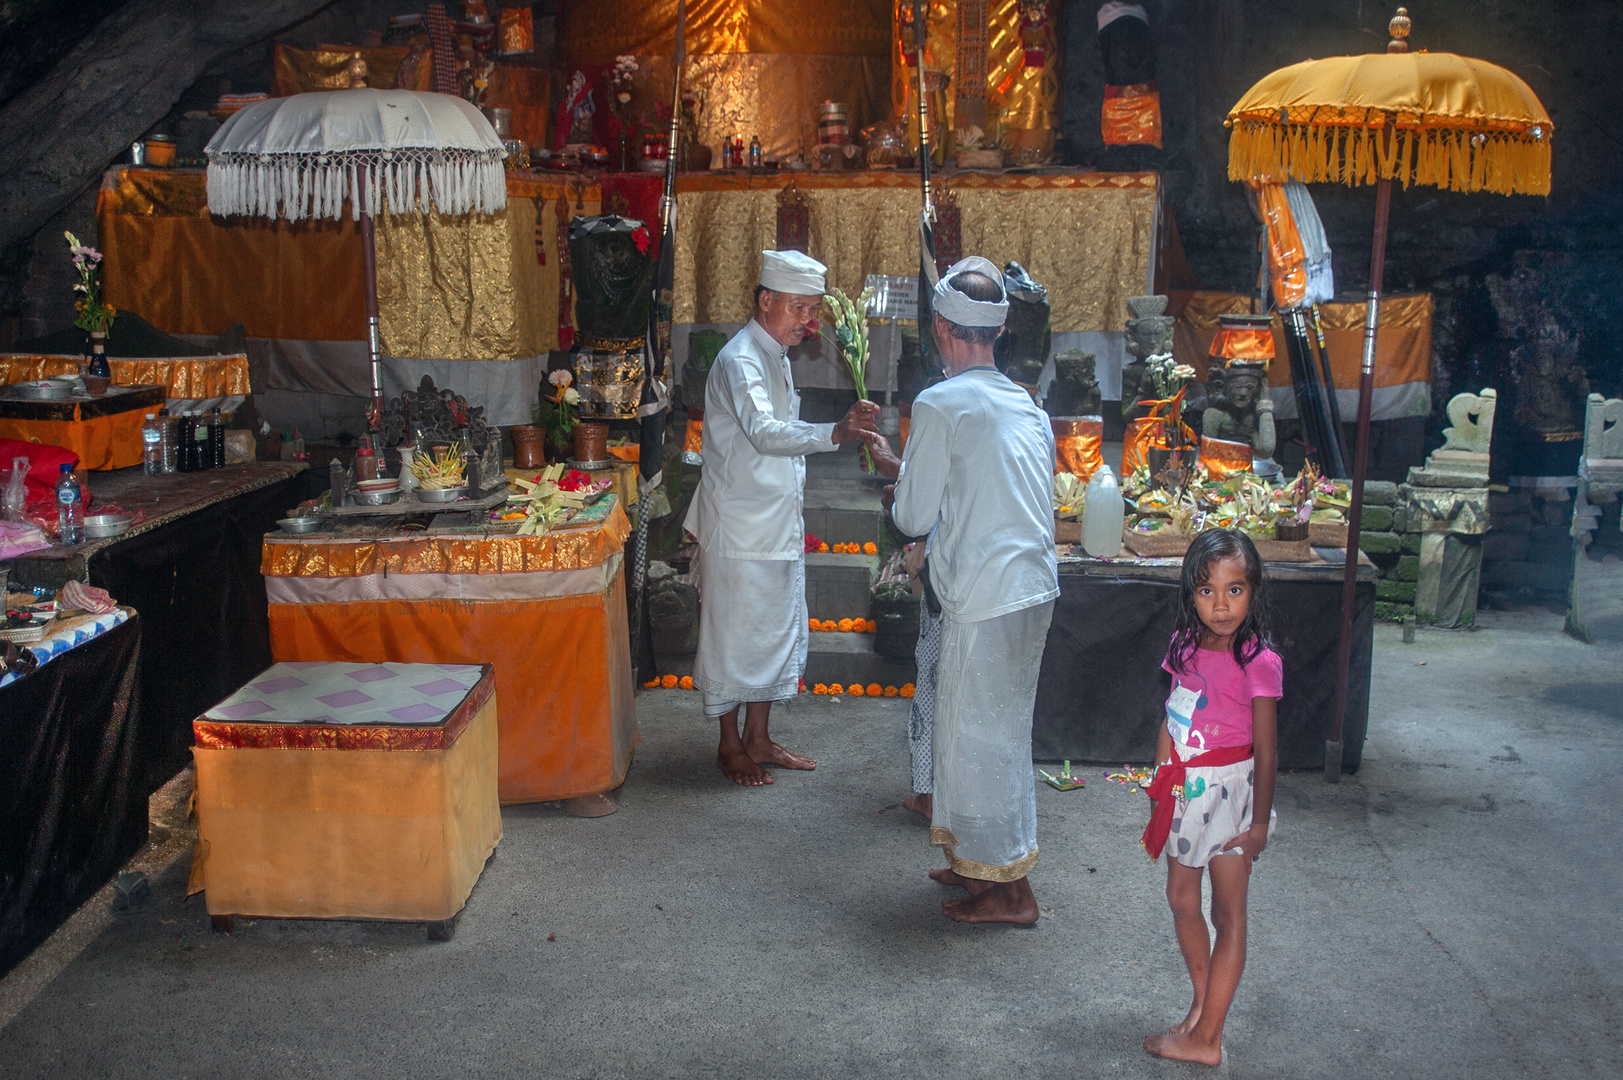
(979, 470)
(747, 515)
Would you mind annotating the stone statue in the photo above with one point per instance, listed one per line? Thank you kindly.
(1075, 389)
(1238, 407)
(673, 611)
(1462, 461)
(1149, 333)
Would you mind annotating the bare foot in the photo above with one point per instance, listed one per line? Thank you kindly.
(952, 877)
(773, 754)
(1183, 1047)
(1187, 1024)
(1006, 901)
(740, 768)
(921, 803)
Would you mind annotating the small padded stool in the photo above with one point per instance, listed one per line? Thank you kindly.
(344, 791)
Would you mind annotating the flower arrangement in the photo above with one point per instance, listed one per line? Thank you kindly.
(621, 78)
(1070, 496)
(93, 315)
(1170, 379)
(561, 412)
(851, 338)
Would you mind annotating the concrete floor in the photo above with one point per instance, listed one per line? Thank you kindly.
(1450, 911)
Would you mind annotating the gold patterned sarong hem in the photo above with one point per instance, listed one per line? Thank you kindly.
(980, 871)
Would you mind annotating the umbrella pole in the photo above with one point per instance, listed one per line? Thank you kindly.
(1355, 513)
(369, 265)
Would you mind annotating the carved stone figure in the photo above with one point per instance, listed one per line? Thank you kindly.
(1149, 333)
(673, 611)
(1238, 407)
(1075, 389)
(1462, 462)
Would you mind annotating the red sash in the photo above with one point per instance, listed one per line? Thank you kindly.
(1170, 777)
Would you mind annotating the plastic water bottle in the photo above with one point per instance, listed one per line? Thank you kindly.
(171, 440)
(1103, 519)
(70, 507)
(152, 446)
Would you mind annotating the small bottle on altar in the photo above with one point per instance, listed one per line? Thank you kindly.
(755, 152)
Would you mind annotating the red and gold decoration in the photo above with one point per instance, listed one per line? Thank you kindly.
(1132, 116)
(794, 219)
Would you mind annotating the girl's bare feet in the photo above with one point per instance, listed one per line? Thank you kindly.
(1187, 1024)
(1184, 1047)
(921, 803)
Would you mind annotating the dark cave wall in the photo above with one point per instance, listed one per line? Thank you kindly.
(1527, 288)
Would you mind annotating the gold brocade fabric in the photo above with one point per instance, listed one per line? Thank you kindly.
(466, 288)
(1224, 458)
(562, 549)
(774, 96)
(1402, 346)
(595, 33)
(192, 378)
(1025, 99)
(246, 735)
(1089, 237)
(326, 67)
(1027, 96)
(1078, 447)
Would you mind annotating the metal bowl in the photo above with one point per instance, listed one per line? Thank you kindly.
(42, 391)
(377, 498)
(101, 526)
(440, 495)
(300, 525)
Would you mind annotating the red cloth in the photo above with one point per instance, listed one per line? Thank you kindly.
(1170, 777)
(44, 468)
(641, 193)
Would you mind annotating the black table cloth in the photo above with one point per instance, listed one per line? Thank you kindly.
(73, 809)
(1101, 695)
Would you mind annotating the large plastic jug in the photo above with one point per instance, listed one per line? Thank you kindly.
(1102, 521)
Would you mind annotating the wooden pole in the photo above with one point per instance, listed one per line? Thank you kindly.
(1355, 513)
(369, 264)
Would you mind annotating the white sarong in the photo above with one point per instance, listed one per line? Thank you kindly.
(985, 800)
(752, 630)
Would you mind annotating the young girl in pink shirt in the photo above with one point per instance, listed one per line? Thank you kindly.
(1213, 789)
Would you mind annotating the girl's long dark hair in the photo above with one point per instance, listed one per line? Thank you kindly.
(1206, 548)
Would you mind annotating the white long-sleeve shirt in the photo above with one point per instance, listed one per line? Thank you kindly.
(751, 499)
(979, 469)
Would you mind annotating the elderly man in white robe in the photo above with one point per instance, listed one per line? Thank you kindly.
(979, 470)
(748, 517)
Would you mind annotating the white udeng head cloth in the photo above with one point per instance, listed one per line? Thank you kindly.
(955, 307)
(793, 272)
(1109, 13)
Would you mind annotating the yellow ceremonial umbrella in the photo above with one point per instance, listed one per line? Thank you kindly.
(1438, 119)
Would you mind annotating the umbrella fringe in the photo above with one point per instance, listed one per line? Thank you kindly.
(1455, 159)
(298, 187)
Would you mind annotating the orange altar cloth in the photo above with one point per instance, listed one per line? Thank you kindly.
(549, 612)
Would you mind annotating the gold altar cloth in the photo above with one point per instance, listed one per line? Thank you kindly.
(191, 378)
(1089, 237)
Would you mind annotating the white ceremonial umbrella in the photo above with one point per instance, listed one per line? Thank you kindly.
(395, 151)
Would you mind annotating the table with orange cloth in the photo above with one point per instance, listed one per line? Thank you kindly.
(104, 431)
(348, 791)
(549, 612)
(188, 381)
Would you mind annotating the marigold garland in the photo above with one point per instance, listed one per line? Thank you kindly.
(891, 691)
(668, 682)
(907, 690)
(651, 684)
(836, 688)
(856, 690)
(820, 688)
(846, 625)
(870, 548)
(685, 682)
(875, 690)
